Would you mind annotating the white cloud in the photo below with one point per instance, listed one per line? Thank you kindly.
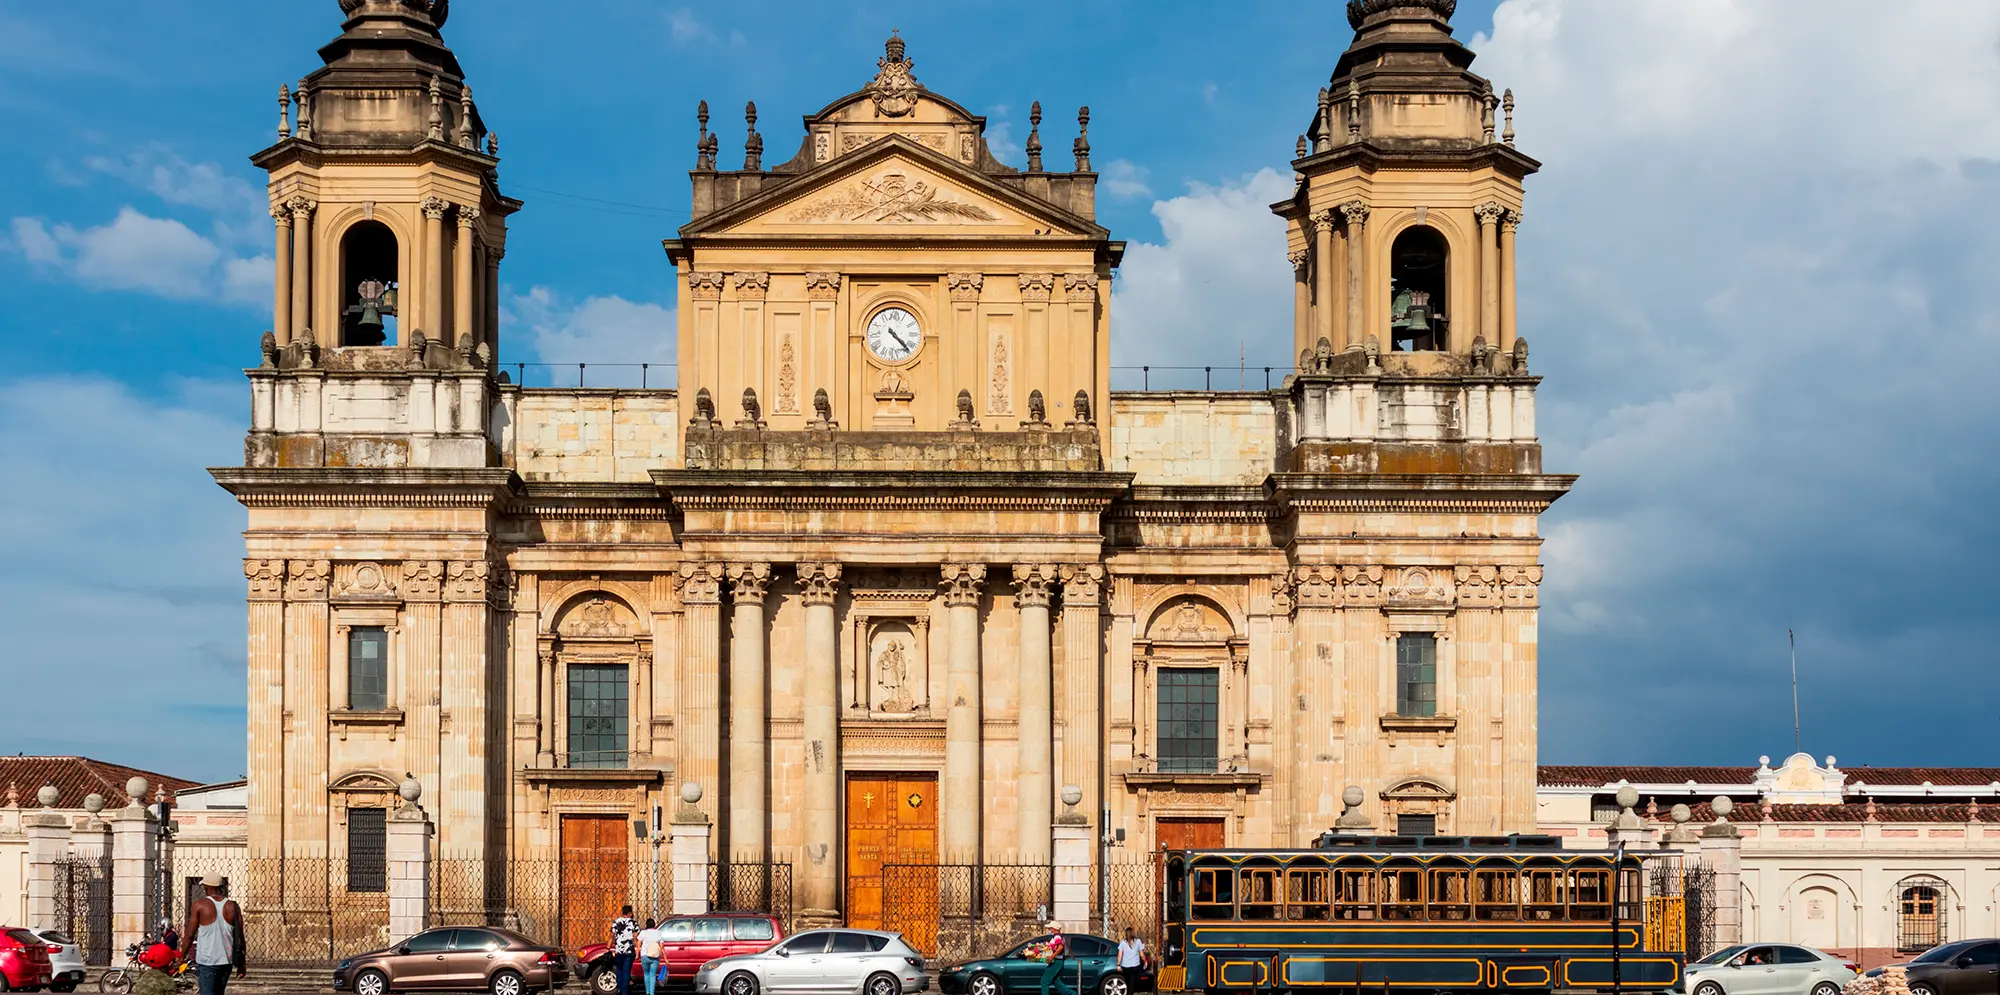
(1759, 300)
(136, 252)
(144, 604)
(610, 334)
(1218, 284)
(687, 28)
(158, 170)
(1124, 178)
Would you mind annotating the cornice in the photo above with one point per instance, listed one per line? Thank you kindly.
(906, 490)
(1371, 156)
(354, 487)
(1429, 492)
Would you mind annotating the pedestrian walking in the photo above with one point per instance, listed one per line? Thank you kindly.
(213, 939)
(649, 954)
(624, 940)
(1056, 948)
(1132, 958)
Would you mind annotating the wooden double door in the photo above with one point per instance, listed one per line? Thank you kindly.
(891, 820)
(596, 876)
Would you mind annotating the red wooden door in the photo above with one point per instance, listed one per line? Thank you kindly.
(595, 856)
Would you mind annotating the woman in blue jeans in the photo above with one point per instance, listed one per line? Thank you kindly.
(649, 954)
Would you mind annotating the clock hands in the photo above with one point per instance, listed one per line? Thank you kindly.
(899, 339)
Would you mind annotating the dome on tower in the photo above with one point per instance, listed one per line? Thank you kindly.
(434, 10)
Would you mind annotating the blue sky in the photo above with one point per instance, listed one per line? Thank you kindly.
(1756, 274)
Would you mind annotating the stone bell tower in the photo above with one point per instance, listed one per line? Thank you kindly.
(384, 185)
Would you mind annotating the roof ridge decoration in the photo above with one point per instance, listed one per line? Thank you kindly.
(894, 88)
(437, 10)
(1359, 11)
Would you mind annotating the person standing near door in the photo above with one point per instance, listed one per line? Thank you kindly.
(649, 954)
(1131, 958)
(624, 938)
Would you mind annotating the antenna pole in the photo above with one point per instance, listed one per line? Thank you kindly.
(1793, 637)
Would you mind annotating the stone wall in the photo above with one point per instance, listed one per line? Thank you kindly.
(586, 435)
(1193, 437)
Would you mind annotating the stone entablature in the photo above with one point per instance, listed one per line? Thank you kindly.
(1050, 450)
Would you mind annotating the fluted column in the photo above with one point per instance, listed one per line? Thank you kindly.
(1356, 214)
(1328, 325)
(267, 704)
(1033, 586)
(1301, 300)
(819, 585)
(461, 277)
(1316, 680)
(700, 726)
(748, 733)
(1507, 290)
(305, 706)
(462, 796)
(281, 303)
(1083, 689)
(1489, 270)
(302, 214)
(961, 796)
(431, 292)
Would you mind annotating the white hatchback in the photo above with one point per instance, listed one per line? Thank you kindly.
(1769, 969)
(65, 960)
(820, 962)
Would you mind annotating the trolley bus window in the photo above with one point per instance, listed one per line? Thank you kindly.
(1354, 893)
(1631, 895)
(1545, 897)
(1259, 892)
(1495, 893)
(1177, 909)
(1402, 893)
(1450, 894)
(1590, 895)
(1214, 893)
(1305, 895)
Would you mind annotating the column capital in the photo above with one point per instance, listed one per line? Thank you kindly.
(1079, 286)
(282, 214)
(434, 208)
(701, 583)
(423, 580)
(1298, 260)
(467, 216)
(1512, 221)
(705, 286)
(1083, 584)
(964, 286)
(306, 580)
(1488, 213)
(267, 579)
(962, 583)
(1329, 219)
(1037, 286)
(466, 580)
(1035, 583)
(1356, 213)
(1283, 600)
(302, 207)
(819, 582)
(748, 582)
(1313, 586)
(823, 285)
(752, 286)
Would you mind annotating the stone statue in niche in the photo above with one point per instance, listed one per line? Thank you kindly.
(892, 674)
(896, 670)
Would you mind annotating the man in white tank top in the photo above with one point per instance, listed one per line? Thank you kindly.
(214, 938)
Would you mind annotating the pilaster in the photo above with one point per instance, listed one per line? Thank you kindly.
(962, 795)
(1082, 674)
(305, 711)
(266, 707)
(819, 584)
(700, 745)
(463, 735)
(749, 734)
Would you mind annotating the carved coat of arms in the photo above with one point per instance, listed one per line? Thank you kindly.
(893, 198)
(895, 86)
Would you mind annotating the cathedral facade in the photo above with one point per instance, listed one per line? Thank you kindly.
(891, 575)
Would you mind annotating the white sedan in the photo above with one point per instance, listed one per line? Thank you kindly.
(1769, 969)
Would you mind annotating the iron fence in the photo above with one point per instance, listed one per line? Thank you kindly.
(752, 886)
(962, 911)
(1680, 906)
(1135, 900)
(83, 906)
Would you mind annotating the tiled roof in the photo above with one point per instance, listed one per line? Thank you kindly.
(1589, 776)
(1750, 812)
(76, 777)
(1584, 776)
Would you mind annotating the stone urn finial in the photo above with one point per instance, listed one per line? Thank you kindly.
(1071, 795)
(136, 790)
(93, 803)
(691, 793)
(1722, 806)
(1680, 813)
(410, 789)
(48, 796)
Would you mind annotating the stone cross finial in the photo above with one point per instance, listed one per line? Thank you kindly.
(753, 146)
(284, 112)
(1035, 137)
(435, 128)
(1082, 144)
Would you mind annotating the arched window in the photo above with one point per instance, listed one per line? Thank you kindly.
(1920, 913)
(368, 285)
(1418, 313)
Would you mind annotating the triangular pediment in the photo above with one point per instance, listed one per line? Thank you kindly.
(894, 186)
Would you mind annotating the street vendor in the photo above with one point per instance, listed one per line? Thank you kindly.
(1055, 948)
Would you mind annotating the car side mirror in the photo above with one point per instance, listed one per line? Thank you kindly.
(1963, 961)
(404, 949)
(782, 952)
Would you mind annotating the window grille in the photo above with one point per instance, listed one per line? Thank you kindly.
(1188, 713)
(598, 724)
(367, 849)
(368, 669)
(1416, 675)
(1920, 920)
(1416, 825)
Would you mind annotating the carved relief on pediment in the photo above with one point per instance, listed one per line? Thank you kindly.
(893, 196)
(596, 616)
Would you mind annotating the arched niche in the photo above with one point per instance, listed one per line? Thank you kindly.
(369, 258)
(592, 657)
(1419, 798)
(1190, 667)
(1419, 293)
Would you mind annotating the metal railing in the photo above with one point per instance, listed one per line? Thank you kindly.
(1206, 378)
(609, 376)
(752, 886)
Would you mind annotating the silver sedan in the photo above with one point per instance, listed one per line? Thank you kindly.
(820, 962)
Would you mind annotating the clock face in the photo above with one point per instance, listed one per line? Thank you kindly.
(893, 334)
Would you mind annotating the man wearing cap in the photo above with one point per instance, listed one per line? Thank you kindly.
(1057, 948)
(213, 939)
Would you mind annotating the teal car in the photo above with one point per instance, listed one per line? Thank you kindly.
(1012, 973)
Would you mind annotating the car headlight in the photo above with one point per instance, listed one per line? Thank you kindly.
(711, 965)
(344, 965)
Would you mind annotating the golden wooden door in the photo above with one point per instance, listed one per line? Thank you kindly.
(891, 819)
(595, 856)
(1188, 834)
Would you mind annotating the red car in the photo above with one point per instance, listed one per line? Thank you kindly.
(24, 961)
(686, 943)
